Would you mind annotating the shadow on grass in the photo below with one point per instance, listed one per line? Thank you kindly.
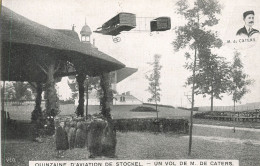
(17, 130)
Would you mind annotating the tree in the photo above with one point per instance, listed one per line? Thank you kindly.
(7, 90)
(196, 36)
(239, 83)
(154, 81)
(22, 91)
(18, 91)
(211, 78)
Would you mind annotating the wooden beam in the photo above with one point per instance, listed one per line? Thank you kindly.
(41, 67)
(57, 67)
(33, 85)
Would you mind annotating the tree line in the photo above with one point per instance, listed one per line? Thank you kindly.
(211, 74)
(17, 91)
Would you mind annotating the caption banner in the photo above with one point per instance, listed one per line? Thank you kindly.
(137, 163)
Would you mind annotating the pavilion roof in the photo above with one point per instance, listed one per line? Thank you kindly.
(24, 41)
(124, 73)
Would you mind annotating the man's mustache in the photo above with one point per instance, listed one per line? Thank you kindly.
(251, 22)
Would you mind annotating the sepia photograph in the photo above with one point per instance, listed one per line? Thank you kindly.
(130, 83)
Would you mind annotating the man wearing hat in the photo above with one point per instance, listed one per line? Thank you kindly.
(248, 17)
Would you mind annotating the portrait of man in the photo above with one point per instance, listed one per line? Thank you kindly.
(248, 29)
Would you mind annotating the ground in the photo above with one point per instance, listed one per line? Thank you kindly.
(208, 142)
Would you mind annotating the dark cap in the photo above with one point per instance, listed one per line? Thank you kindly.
(247, 13)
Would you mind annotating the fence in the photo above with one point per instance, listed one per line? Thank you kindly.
(239, 108)
(253, 116)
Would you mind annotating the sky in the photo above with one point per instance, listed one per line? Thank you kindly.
(136, 49)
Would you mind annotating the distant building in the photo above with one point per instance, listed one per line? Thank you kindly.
(126, 99)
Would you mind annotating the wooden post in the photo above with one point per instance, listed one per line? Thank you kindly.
(37, 112)
(80, 79)
(87, 98)
(38, 100)
(52, 101)
(106, 98)
(51, 93)
(36, 116)
(3, 97)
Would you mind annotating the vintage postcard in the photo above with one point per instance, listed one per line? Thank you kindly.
(130, 83)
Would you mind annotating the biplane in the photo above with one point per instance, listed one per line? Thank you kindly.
(160, 24)
(121, 22)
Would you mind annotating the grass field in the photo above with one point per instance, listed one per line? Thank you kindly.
(24, 112)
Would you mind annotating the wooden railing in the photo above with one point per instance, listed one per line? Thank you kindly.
(253, 115)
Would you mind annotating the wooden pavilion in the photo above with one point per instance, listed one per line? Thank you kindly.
(41, 55)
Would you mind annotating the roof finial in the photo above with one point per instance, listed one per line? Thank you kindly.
(85, 21)
(73, 27)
